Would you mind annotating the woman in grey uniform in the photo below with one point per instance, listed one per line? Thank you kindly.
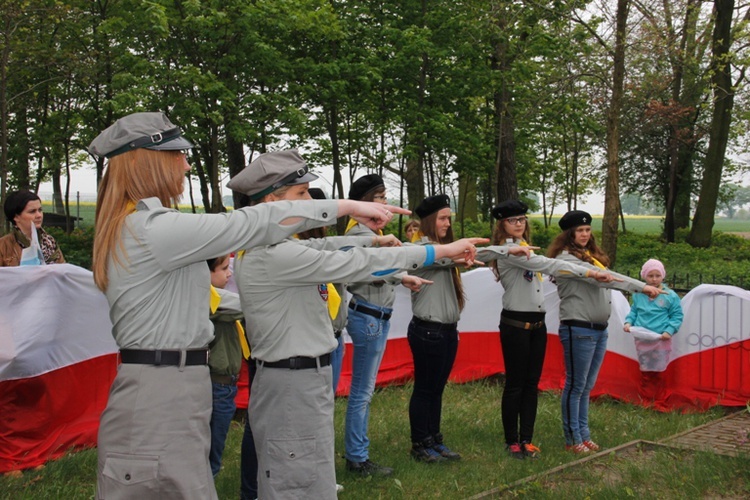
(149, 260)
(585, 306)
(433, 333)
(523, 333)
(369, 323)
(284, 297)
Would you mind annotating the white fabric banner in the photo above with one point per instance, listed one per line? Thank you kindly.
(50, 317)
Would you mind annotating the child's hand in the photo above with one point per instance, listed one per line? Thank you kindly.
(665, 336)
(626, 327)
(387, 240)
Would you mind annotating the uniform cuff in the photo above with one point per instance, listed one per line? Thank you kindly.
(430, 259)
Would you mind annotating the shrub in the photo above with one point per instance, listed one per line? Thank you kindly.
(77, 246)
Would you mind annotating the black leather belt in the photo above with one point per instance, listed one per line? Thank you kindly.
(225, 379)
(298, 362)
(525, 325)
(369, 310)
(160, 358)
(584, 324)
(434, 325)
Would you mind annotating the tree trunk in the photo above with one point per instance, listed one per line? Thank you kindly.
(235, 150)
(505, 154)
(612, 189)
(721, 80)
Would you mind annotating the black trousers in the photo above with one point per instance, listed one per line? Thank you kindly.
(433, 348)
(523, 354)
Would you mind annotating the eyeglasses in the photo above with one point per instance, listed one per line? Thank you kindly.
(514, 221)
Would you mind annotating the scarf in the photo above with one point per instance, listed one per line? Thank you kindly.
(214, 301)
(49, 246)
(596, 262)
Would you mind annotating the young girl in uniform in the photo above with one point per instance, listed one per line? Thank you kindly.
(284, 296)
(584, 313)
(368, 325)
(523, 333)
(433, 333)
(149, 260)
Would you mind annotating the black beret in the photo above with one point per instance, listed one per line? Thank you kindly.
(317, 194)
(509, 208)
(364, 185)
(432, 204)
(575, 218)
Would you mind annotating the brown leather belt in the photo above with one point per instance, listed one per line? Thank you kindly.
(525, 325)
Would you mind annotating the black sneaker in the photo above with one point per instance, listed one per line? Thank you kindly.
(424, 451)
(444, 451)
(420, 453)
(368, 468)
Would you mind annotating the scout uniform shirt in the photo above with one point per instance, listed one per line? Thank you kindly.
(522, 278)
(167, 250)
(589, 300)
(436, 302)
(283, 290)
(382, 292)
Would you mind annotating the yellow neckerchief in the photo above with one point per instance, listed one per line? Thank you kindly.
(353, 222)
(596, 262)
(334, 299)
(130, 207)
(417, 236)
(215, 300)
(524, 244)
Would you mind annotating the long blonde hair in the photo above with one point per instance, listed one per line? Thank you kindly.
(132, 176)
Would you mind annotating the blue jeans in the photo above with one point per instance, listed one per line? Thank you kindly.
(584, 351)
(221, 418)
(369, 335)
(337, 357)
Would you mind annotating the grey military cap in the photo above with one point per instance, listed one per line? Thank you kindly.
(139, 130)
(271, 171)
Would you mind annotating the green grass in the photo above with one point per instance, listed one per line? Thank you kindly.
(472, 426)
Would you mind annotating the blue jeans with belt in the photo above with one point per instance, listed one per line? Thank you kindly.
(433, 348)
(369, 335)
(584, 350)
(221, 417)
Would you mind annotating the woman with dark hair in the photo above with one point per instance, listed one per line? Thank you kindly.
(585, 306)
(433, 332)
(24, 209)
(523, 332)
(368, 325)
